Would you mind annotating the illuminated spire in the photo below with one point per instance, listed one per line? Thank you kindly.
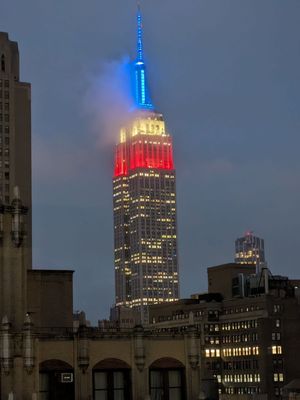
(139, 34)
(142, 97)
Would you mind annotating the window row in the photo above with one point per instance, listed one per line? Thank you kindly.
(4, 117)
(247, 337)
(241, 351)
(252, 323)
(6, 106)
(240, 365)
(242, 390)
(114, 384)
(236, 378)
(4, 129)
(4, 83)
(4, 94)
(241, 309)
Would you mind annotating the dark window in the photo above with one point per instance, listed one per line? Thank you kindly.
(55, 385)
(3, 63)
(112, 385)
(44, 386)
(167, 384)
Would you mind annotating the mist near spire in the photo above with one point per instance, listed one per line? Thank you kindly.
(109, 100)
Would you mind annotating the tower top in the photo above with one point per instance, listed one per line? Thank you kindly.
(139, 33)
(141, 91)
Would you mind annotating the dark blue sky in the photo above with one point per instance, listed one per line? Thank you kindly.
(225, 74)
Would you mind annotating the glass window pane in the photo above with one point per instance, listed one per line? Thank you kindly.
(174, 379)
(119, 395)
(156, 379)
(101, 395)
(175, 394)
(100, 380)
(44, 382)
(118, 380)
(44, 396)
(157, 394)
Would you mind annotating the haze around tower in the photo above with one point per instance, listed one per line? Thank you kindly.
(108, 101)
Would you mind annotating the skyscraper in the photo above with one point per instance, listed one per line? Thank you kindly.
(15, 133)
(144, 194)
(250, 249)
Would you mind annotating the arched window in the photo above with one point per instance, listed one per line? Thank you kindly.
(111, 380)
(56, 380)
(167, 380)
(3, 63)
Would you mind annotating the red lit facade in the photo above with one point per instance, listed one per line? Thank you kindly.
(143, 152)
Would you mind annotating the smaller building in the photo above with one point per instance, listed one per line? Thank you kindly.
(249, 330)
(250, 249)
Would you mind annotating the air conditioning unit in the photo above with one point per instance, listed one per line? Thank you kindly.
(66, 377)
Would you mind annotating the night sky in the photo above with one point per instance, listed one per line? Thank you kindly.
(226, 76)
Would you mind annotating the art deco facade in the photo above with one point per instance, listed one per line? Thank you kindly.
(144, 191)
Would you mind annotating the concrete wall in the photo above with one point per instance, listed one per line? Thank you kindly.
(50, 298)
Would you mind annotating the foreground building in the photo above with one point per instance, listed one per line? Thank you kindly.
(144, 194)
(15, 133)
(249, 330)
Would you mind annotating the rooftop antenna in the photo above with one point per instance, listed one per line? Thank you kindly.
(142, 96)
(139, 32)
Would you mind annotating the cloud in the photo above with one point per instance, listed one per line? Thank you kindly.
(108, 101)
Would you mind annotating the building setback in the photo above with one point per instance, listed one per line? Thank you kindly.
(144, 201)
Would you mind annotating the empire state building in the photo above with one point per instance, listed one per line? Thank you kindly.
(144, 203)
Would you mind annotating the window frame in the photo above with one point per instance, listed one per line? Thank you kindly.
(165, 381)
(110, 382)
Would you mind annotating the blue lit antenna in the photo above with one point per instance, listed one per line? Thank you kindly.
(139, 34)
(142, 96)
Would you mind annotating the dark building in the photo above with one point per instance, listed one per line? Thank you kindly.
(144, 200)
(227, 279)
(15, 133)
(250, 249)
(249, 336)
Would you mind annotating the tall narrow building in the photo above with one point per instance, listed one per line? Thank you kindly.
(15, 133)
(144, 200)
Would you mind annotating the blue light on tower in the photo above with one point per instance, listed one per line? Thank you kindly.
(142, 97)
